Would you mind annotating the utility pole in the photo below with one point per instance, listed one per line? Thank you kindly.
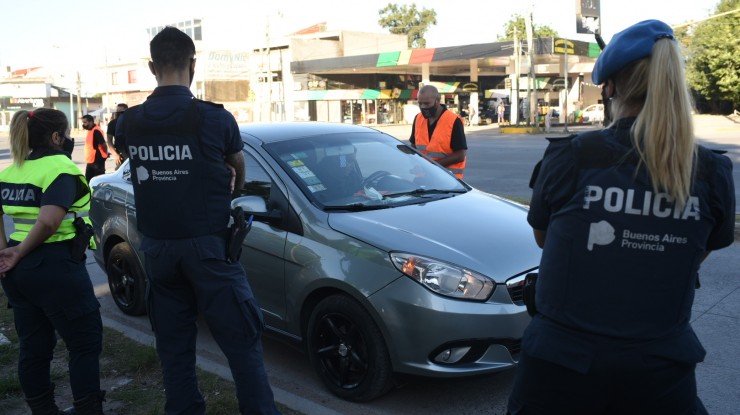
(531, 90)
(79, 97)
(71, 109)
(269, 71)
(565, 79)
(514, 106)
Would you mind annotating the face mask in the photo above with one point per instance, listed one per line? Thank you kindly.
(68, 146)
(428, 112)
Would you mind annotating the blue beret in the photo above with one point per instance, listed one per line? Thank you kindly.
(629, 45)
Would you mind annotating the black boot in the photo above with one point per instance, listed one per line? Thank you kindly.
(44, 404)
(91, 404)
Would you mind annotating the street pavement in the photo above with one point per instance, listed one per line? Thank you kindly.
(716, 314)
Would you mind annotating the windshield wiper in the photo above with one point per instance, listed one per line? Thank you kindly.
(355, 207)
(422, 191)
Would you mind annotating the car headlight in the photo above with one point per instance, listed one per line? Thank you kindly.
(444, 278)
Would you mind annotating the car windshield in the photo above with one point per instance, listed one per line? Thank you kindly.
(358, 171)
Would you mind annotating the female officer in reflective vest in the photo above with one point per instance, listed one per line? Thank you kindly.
(44, 277)
(625, 216)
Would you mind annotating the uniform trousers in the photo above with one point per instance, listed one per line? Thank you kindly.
(94, 169)
(188, 277)
(614, 385)
(48, 292)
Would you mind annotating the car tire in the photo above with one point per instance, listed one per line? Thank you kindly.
(347, 350)
(126, 279)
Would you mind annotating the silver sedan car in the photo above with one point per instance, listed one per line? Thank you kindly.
(373, 258)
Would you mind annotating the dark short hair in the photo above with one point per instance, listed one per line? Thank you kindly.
(125, 106)
(171, 48)
(88, 117)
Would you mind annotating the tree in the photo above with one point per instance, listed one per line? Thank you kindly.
(713, 69)
(517, 22)
(407, 20)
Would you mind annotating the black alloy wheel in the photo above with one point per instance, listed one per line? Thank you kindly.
(126, 279)
(348, 351)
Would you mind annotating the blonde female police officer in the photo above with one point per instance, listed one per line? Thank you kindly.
(625, 216)
(48, 286)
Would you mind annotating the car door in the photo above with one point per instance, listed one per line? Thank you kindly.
(264, 247)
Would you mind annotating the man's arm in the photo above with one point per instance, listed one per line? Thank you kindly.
(456, 157)
(236, 161)
(109, 139)
(412, 138)
(539, 237)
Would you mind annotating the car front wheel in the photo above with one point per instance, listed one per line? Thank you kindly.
(126, 280)
(347, 350)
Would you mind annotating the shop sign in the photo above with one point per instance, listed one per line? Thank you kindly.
(33, 102)
(470, 87)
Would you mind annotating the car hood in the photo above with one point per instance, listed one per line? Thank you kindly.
(474, 230)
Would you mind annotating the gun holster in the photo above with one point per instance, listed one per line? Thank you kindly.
(237, 232)
(81, 240)
(528, 293)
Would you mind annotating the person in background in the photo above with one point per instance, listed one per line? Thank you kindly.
(548, 119)
(438, 132)
(42, 264)
(185, 250)
(116, 145)
(500, 112)
(625, 216)
(96, 151)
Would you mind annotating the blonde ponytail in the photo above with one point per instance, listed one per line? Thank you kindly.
(19, 147)
(655, 89)
(664, 129)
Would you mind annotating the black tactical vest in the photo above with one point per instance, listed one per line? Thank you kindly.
(652, 248)
(172, 178)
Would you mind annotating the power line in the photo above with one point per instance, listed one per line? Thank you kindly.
(707, 18)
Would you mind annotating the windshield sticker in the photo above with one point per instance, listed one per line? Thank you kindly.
(308, 176)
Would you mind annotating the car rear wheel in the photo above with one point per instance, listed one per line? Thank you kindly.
(347, 350)
(126, 280)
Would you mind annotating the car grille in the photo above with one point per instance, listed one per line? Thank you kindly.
(515, 286)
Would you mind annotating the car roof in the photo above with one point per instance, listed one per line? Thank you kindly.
(272, 132)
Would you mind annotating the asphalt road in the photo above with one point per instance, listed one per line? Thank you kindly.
(499, 164)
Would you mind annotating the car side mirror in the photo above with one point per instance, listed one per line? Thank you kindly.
(255, 205)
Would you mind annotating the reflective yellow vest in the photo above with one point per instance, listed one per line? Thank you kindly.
(21, 189)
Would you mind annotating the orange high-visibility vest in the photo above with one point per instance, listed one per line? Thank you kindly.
(439, 145)
(90, 149)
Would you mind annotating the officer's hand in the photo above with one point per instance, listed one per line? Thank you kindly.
(118, 159)
(9, 258)
(233, 177)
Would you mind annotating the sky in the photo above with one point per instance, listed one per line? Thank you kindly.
(75, 33)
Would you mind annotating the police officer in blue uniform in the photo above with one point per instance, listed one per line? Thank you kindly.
(185, 155)
(625, 216)
(42, 265)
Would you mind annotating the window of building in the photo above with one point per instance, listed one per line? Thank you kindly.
(114, 78)
(132, 76)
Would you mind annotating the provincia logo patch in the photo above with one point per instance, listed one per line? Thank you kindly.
(600, 233)
(603, 233)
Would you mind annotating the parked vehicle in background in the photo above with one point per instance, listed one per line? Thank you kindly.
(373, 258)
(594, 113)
